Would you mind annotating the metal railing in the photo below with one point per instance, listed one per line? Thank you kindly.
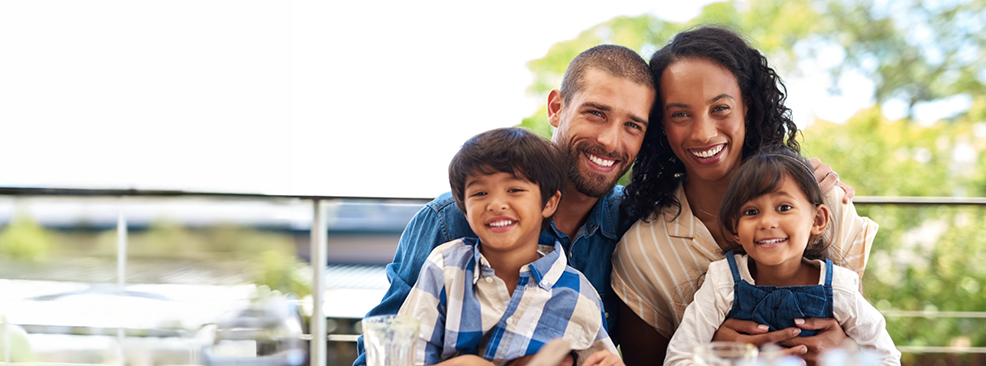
(318, 236)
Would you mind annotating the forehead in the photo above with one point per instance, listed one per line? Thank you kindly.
(697, 78)
(486, 175)
(598, 86)
(787, 187)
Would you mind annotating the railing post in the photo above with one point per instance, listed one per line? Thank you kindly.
(319, 246)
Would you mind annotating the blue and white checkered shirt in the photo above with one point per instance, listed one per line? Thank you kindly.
(465, 309)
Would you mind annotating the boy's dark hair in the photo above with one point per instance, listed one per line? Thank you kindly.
(761, 174)
(513, 150)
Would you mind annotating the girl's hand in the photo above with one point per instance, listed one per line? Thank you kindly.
(603, 358)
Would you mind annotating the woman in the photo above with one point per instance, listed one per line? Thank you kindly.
(718, 102)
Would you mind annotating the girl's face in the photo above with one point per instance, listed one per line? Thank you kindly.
(704, 117)
(774, 228)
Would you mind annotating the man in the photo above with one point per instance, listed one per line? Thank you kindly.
(600, 116)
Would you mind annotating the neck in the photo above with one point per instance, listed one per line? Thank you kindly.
(706, 195)
(785, 274)
(507, 264)
(573, 210)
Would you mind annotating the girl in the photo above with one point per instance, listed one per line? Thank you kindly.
(777, 270)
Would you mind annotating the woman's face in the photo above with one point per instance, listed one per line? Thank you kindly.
(704, 118)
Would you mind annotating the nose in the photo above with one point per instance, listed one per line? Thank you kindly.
(497, 203)
(609, 136)
(704, 129)
(768, 220)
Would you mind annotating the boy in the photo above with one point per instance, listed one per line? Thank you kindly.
(504, 295)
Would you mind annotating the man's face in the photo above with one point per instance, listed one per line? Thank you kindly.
(600, 129)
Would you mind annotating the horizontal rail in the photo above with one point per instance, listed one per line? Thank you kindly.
(952, 350)
(86, 192)
(934, 314)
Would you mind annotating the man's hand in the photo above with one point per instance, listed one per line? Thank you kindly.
(465, 360)
(830, 336)
(828, 179)
(603, 358)
(745, 331)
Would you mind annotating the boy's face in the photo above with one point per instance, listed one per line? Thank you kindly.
(506, 211)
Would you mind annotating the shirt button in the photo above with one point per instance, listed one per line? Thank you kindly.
(489, 279)
(510, 320)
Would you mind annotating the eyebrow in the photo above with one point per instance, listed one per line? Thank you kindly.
(713, 100)
(606, 108)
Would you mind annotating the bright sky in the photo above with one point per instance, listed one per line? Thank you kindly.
(306, 97)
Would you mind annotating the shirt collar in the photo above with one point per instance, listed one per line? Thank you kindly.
(603, 217)
(546, 270)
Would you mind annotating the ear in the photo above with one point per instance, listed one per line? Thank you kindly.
(555, 105)
(821, 220)
(551, 205)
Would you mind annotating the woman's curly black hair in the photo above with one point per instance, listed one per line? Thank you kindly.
(657, 171)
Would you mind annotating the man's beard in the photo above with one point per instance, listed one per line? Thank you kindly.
(590, 183)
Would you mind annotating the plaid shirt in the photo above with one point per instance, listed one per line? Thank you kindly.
(465, 309)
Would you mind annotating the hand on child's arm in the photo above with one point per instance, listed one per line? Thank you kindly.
(830, 336)
(522, 361)
(465, 360)
(745, 331)
(829, 179)
(603, 358)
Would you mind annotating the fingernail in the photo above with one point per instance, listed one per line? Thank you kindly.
(799, 321)
(804, 349)
(762, 327)
(796, 331)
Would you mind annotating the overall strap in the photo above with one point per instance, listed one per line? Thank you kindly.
(732, 266)
(828, 272)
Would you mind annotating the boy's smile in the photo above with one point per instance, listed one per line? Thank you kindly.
(505, 211)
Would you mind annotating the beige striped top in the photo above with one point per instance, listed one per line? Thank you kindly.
(658, 265)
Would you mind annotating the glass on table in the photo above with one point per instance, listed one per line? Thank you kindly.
(725, 354)
(390, 339)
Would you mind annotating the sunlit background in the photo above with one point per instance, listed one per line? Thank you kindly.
(371, 99)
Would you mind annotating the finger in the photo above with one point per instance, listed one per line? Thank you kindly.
(850, 191)
(745, 326)
(797, 350)
(567, 361)
(816, 323)
(595, 358)
(777, 336)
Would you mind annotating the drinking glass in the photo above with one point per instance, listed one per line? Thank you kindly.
(725, 354)
(390, 339)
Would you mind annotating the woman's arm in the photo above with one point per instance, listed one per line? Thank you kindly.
(640, 343)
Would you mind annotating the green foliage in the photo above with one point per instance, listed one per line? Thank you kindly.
(284, 273)
(24, 239)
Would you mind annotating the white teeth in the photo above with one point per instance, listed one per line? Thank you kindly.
(770, 241)
(600, 161)
(708, 153)
(500, 223)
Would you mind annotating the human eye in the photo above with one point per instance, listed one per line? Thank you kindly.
(720, 108)
(750, 212)
(784, 207)
(477, 194)
(634, 125)
(516, 190)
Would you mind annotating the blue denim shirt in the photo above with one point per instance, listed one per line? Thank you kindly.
(441, 221)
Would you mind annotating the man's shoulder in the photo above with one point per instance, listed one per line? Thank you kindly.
(444, 204)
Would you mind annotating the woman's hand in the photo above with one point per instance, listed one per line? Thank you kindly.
(465, 360)
(745, 331)
(828, 179)
(830, 336)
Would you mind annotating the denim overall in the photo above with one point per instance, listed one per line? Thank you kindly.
(777, 307)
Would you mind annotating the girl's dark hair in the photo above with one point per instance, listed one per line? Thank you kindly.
(761, 174)
(658, 172)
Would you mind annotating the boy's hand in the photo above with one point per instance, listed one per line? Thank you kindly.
(603, 358)
(522, 361)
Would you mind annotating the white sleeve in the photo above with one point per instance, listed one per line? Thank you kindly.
(861, 321)
(703, 316)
